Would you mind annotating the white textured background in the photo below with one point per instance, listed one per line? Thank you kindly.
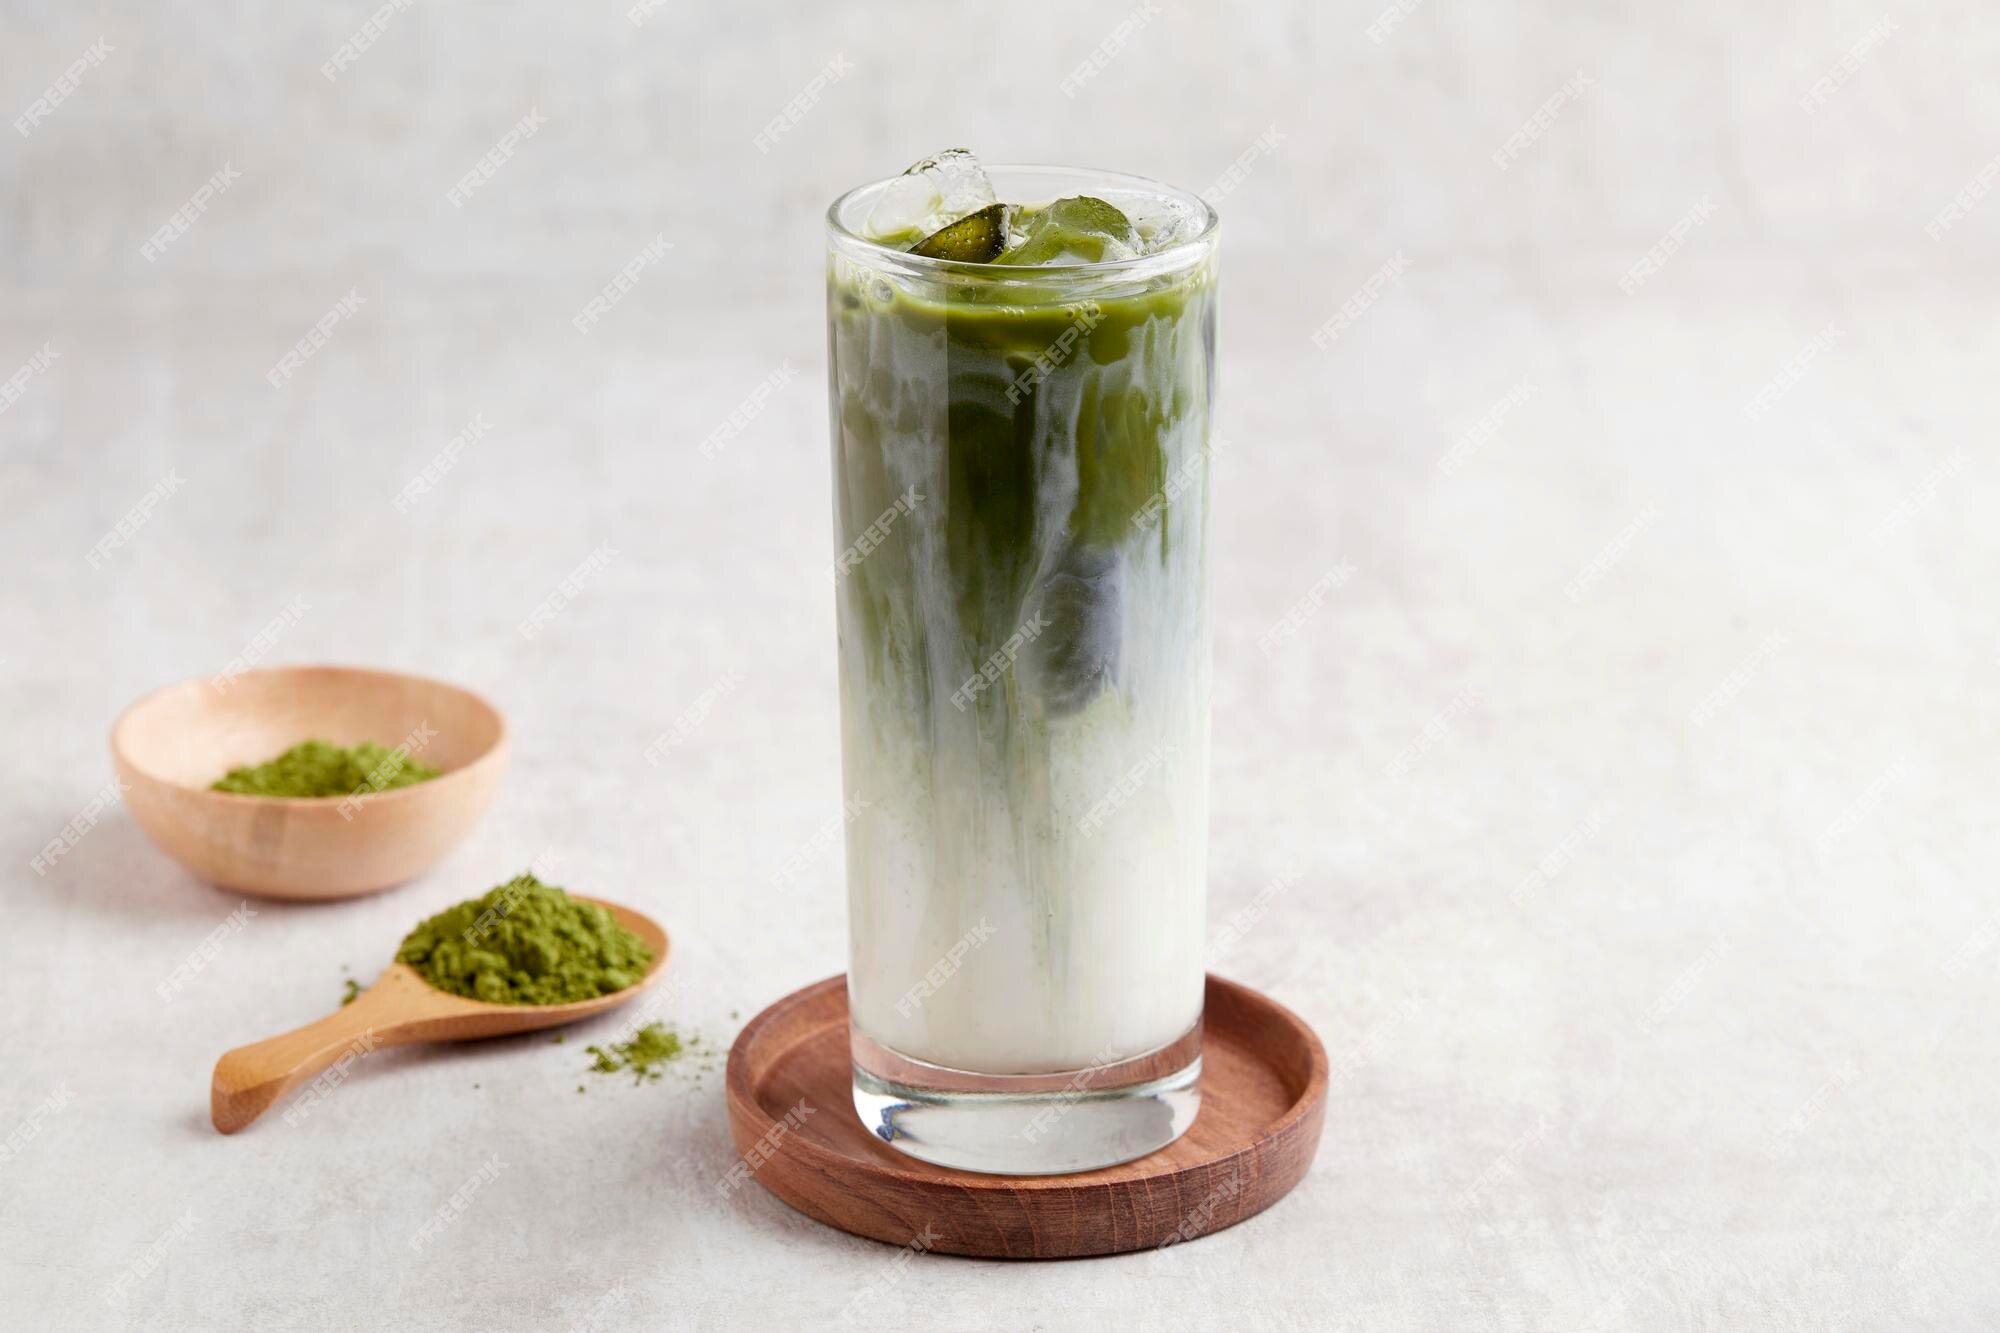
(1641, 774)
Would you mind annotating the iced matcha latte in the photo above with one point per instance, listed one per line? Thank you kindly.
(1022, 363)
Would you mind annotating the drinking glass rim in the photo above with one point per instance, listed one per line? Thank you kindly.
(1161, 261)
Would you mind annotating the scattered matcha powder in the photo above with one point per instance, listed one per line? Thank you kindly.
(526, 942)
(353, 989)
(650, 1050)
(321, 768)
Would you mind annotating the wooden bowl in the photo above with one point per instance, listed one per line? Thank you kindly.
(173, 743)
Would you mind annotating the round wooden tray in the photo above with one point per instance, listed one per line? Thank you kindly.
(1263, 1098)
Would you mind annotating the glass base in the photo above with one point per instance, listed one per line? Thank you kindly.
(1029, 1125)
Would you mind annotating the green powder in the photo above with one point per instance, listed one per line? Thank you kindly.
(321, 768)
(352, 992)
(652, 1047)
(526, 942)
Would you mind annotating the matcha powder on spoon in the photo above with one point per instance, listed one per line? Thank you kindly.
(526, 942)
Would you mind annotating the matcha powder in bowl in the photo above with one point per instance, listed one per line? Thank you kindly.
(321, 769)
(526, 942)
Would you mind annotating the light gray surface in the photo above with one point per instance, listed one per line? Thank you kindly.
(1722, 673)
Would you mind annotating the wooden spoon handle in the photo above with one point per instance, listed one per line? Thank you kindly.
(249, 1078)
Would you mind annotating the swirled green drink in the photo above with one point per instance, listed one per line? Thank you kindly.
(1020, 399)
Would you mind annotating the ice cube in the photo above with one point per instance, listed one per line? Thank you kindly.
(1164, 223)
(1079, 606)
(1077, 230)
(974, 239)
(932, 194)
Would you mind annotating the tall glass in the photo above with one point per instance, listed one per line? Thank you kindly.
(1021, 500)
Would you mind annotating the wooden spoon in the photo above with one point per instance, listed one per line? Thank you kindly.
(398, 1009)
